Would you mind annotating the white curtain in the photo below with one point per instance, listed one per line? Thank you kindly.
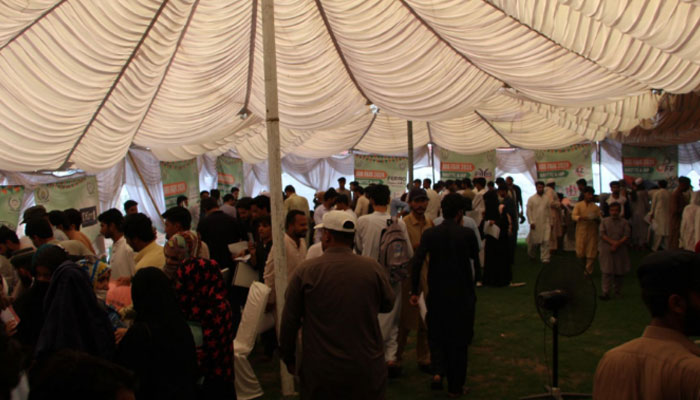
(149, 167)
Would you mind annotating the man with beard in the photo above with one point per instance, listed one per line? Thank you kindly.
(664, 362)
(121, 259)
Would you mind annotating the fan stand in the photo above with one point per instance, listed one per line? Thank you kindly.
(554, 391)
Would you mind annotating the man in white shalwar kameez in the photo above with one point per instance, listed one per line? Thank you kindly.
(539, 216)
(689, 232)
(660, 216)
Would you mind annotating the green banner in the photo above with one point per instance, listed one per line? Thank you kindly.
(650, 163)
(229, 173)
(387, 170)
(180, 178)
(459, 166)
(79, 193)
(566, 166)
(10, 203)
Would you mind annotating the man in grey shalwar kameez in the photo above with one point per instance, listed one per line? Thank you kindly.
(612, 251)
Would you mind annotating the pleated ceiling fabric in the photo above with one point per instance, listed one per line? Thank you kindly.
(83, 81)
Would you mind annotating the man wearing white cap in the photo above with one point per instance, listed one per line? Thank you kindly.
(336, 298)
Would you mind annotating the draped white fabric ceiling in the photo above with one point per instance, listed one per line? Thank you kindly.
(83, 80)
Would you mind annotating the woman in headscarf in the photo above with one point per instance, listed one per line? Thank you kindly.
(689, 235)
(180, 247)
(201, 294)
(159, 347)
(73, 319)
(99, 274)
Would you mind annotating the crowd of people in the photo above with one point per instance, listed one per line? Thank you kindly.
(364, 269)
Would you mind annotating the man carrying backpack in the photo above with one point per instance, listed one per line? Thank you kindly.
(383, 238)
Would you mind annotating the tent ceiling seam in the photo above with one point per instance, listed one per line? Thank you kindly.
(339, 51)
(495, 7)
(167, 68)
(374, 117)
(251, 55)
(493, 128)
(31, 25)
(116, 82)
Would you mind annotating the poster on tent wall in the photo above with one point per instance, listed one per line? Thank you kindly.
(180, 178)
(387, 170)
(566, 166)
(459, 166)
(80, 193)
(229, 173)
(650, 163)
(10, 204)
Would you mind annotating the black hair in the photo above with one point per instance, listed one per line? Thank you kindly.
(427, 180)
(202, 192)
(500, 181)
(139, 226)
(49, 256)
(289, 188)
(615, 205)
(481, 181)
(215, 193)
(614, 183)
(665, 273)
(342, 199)
(209, 203)
(58, 219)
(490, 184)
(589, 189)
(129, 203)
(235, 189)
(244, 203)
(113, 216)
(449, 183)
(417, 181)
(467, 182)
(264, 220)
(342, 179)
(74, 218)
(291, 217)
(684, 179)
(581, 182)
(451, 205)
(539, 183)
(262, 202)
(663, 184)
(38, 227)
(380, 194)
(181, 199)
(7, 234)
(228, 197)
(330, 194)
(179, 215)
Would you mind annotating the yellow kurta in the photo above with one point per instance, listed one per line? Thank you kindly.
(587, 217)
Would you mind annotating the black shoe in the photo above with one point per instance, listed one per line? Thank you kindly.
(604, 297)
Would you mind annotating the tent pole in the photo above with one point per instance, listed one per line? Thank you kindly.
(600, 169)
(410, 152)
(275, 171)
(143, 181)
(432, 159)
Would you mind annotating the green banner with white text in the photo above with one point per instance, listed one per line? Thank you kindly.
(387, 170)
(229, 173)
(650, 163)
(180, 178)
(79, 193)
(566, 166)
(10, 204)
(459, 166)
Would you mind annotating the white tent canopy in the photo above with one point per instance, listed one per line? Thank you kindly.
(83, 81)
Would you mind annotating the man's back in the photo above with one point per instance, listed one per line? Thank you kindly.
(369, 233)
(662, 364)
(218, 230)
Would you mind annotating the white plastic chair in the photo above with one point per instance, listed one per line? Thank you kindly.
(247, 385)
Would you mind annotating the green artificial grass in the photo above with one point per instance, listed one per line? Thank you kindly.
(507, 358)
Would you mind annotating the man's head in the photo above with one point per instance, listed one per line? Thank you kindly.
(39, 231)
(215, 194)
(663, 184)
(235, 191)
(57, 218)
(74, 218)
(296, 224)
(111, 223)
(479, 183)
(379, 195)
(260, 206)
(418, 200)
(539, 186)
(341, 183)
(427, 183)
(209, 205)
(228, 199)
(581, 184)
(615, 209)
(177, 219)
(451, 186)
(501, 182)
(289, 190)
(588, 194)
(46, 260)
(551, 183)
(502, 189)
(183, 201)
(615, 188)
(204, 194)
(354, 185)
(34, 212)
(683, 183)
(670, 282)
(342, 202)
(329, 198)
(416, 183)
(338, 229)
(9, 242)
(243, 208)
(131, 207)
(452, 206)
(467, 183)
(264, 227)
(509, 181)
(138, 231)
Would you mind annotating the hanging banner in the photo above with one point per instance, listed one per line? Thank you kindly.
(650, 163)
(387, 170)
(459, 166)
(79, 193)
(10, 203)
(229, 173)
(180, 178)
(566, 166)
